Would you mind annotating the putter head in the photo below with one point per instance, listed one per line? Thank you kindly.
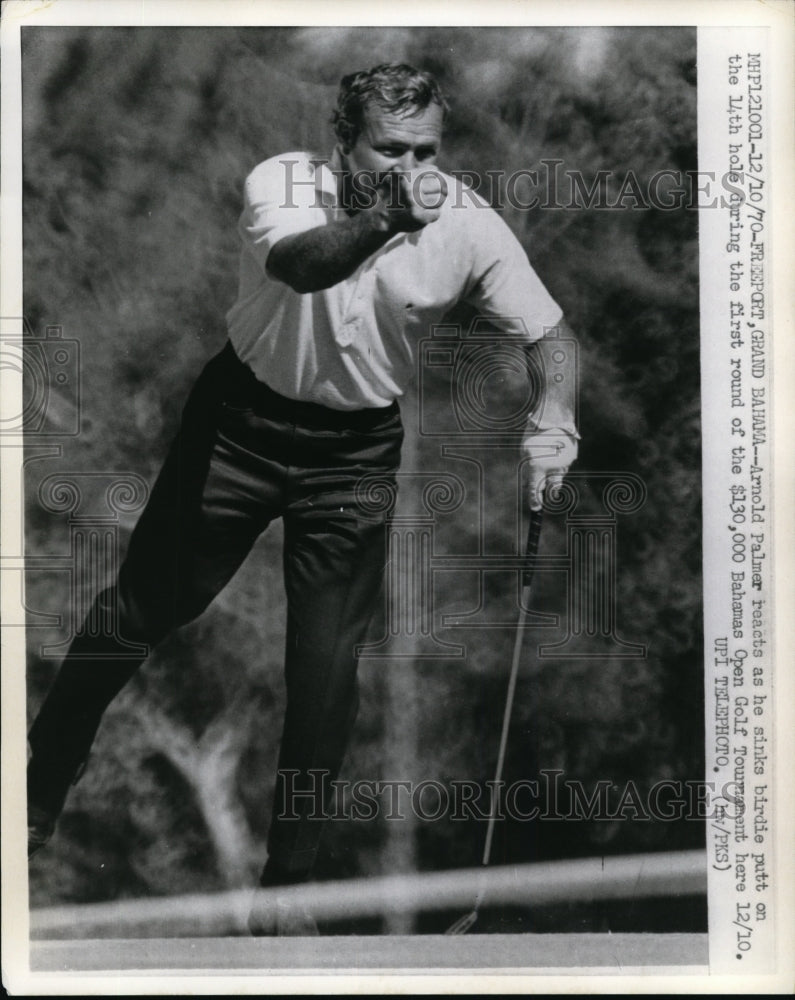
(462, 925)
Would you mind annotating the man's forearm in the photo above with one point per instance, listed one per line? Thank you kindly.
(551, 436)
(557, 409)
(326, 255)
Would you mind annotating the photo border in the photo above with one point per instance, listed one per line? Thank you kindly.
(778, 15)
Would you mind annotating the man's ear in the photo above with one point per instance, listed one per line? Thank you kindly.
(346, 136)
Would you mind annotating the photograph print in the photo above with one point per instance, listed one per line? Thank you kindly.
(362, 491)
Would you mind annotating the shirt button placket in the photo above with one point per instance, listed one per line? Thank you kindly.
(353, 319)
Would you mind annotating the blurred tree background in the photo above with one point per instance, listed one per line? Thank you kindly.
(136, 144)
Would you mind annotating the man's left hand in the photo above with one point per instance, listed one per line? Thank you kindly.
(550, 453)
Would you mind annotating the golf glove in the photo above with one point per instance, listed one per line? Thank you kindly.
(550, 453)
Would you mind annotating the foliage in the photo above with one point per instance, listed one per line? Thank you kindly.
(136, 144)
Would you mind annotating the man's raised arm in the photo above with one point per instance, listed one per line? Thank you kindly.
(321, 257)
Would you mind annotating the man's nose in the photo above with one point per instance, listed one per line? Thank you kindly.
(407, 162)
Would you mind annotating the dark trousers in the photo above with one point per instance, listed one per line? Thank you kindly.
(245, 455)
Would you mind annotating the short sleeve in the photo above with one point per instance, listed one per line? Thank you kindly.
(503, 286)
(280, 197)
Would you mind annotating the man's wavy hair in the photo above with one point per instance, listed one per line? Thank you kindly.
(395, 87)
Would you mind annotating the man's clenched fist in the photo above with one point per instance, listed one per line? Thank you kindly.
(412, 200)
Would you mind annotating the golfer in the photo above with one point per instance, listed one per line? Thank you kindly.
(345, 265)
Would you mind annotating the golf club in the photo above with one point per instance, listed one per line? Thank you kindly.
(463, 924)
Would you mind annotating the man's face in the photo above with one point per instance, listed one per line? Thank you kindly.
(390, 142)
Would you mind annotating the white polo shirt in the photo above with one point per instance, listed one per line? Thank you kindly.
(354, 345)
